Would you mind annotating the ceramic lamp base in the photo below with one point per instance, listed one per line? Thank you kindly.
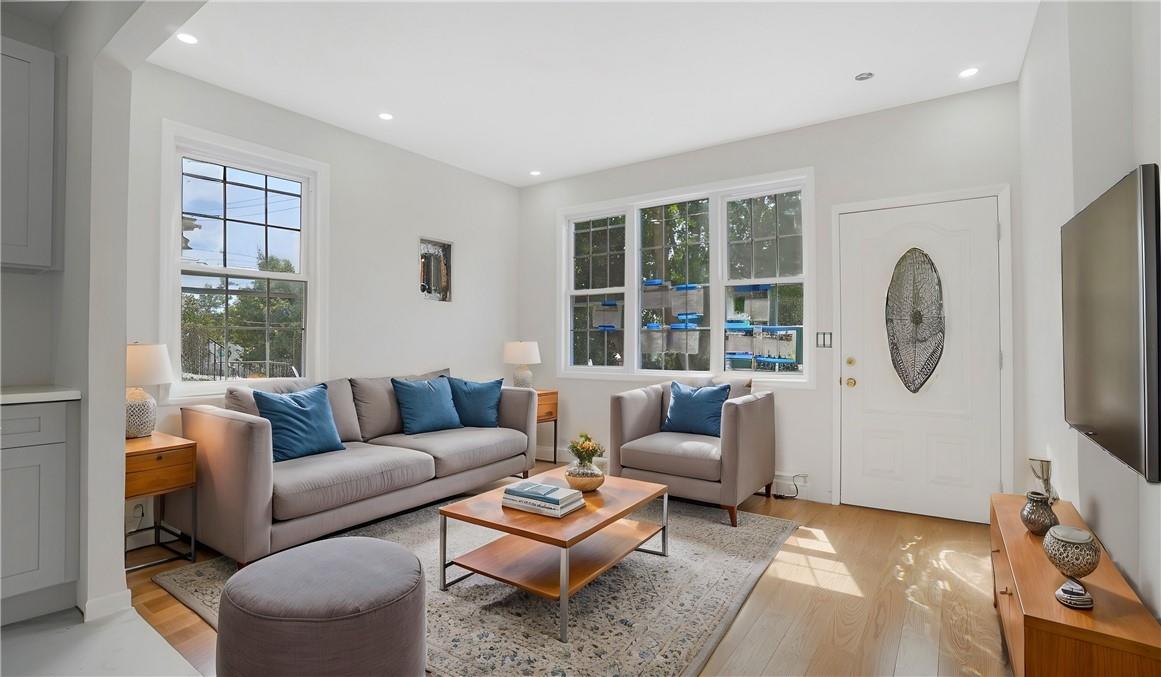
(140, 413)
(522, 377)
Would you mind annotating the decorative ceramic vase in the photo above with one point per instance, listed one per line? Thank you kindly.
(1074, 552)
(1037, 514)
(584, 476)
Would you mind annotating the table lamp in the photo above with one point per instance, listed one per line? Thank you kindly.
(522, 354)
(146, 364)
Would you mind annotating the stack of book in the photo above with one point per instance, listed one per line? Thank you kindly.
(543, 499)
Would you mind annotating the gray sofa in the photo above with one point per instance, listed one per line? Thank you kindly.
(724, 471)
(249, 506)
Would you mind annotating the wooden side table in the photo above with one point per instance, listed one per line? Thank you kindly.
(546, 410)
(157, 465)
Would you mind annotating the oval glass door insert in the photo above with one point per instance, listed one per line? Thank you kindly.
(915, 323)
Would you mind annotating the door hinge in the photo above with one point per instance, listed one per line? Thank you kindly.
(999, 231)
(1001, 359)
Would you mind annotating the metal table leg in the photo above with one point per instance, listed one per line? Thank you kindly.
(564, 595)
(664, 551)
(443, 553)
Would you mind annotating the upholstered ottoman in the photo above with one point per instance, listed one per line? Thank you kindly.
(343, 606)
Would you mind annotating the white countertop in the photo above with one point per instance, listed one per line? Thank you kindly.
(33, 394)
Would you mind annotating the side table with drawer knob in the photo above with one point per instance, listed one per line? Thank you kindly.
(546, 411)
(157, 465)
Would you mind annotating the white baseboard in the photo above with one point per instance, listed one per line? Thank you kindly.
(38, 603)
(100, 607)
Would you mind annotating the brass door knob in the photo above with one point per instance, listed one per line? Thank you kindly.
(851, 383)
(851, 361)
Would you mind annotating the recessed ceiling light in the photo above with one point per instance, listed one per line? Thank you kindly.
(534, 172)
(968, 72)
(864, 76)
(386, 116)
(187, 38)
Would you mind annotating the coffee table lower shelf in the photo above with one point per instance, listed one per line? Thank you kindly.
(543, 569)
(534, 567)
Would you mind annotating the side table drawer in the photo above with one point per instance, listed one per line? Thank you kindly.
(160, 480)
(546, 407)
(161, 459)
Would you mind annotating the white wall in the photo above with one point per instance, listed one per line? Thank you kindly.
(951, 143)
(382, 200)
(1089, 107)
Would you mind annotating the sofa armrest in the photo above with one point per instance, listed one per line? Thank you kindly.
(633, 414)
(235, 480)
(518, 412)
(747, 446)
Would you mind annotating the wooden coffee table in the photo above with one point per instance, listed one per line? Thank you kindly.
(556, 557)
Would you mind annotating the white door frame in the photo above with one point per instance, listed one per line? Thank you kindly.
(1002, 193)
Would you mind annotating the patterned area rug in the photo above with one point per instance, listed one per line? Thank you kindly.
(648, 615)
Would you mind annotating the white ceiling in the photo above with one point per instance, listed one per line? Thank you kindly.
(502, 89)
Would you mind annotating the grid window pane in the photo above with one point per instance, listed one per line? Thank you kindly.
(600, 274)
(766, 258)
(284, 185)
(198, 168)
(283, 210)
(790, 214)
(764, 329)
(580, 273)
(597, 329)
(283, 250)
(765, 216)
(245, 245)
(201, 196)
(245, 204)
(790, 255)
(202, 240)
(674, 303)
(598, 253)
(617, 270)
(249, 178)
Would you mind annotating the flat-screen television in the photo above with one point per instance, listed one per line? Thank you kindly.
(1109, 259)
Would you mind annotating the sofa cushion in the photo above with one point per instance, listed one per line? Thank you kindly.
(739, 386)
(681, 454)
(304, 486)
(478, 404)
(695, 410)
(241, 398)
(426, 406)
(462, 449)
(301, 423)
(376, 409)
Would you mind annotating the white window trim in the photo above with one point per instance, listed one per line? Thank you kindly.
(178, 140)
(719, 193)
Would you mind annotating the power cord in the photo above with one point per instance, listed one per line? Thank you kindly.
(139, 513)
(793, 480)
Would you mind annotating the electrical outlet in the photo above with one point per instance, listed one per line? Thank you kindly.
(134, 515)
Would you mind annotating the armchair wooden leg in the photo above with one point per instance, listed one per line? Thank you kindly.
(769, 490)
(524, 474)
(733, 510)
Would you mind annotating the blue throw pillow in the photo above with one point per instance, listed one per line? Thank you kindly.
(426, 405)
(301, 423)
(478, 404)
(696, 410)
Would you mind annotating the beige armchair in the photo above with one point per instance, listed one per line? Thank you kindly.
(724, 471)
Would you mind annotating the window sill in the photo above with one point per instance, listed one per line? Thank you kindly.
(760, 383)
(207, 392)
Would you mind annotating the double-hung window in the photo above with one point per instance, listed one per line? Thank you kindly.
(242, 258)
(706, 280)
(597, 292)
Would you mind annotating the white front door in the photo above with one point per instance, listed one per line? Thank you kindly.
(935, 451)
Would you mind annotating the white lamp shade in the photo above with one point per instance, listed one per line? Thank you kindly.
(147, 364)
(521, 352)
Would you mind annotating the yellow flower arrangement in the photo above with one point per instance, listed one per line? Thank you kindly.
(585, 449)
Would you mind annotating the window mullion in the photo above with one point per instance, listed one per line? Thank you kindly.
(632, 289)
(718, 252)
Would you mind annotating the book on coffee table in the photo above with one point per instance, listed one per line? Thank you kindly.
(527, 505)
(544, 493)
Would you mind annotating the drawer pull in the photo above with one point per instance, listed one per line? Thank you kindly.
(995, 549)
(1005, 591)
(158, 457)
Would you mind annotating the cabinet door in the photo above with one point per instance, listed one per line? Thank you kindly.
(26, 128)
(33, 486)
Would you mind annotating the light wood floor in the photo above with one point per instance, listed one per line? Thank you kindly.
(854, 591)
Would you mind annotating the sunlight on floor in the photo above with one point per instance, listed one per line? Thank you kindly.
(808, 558)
